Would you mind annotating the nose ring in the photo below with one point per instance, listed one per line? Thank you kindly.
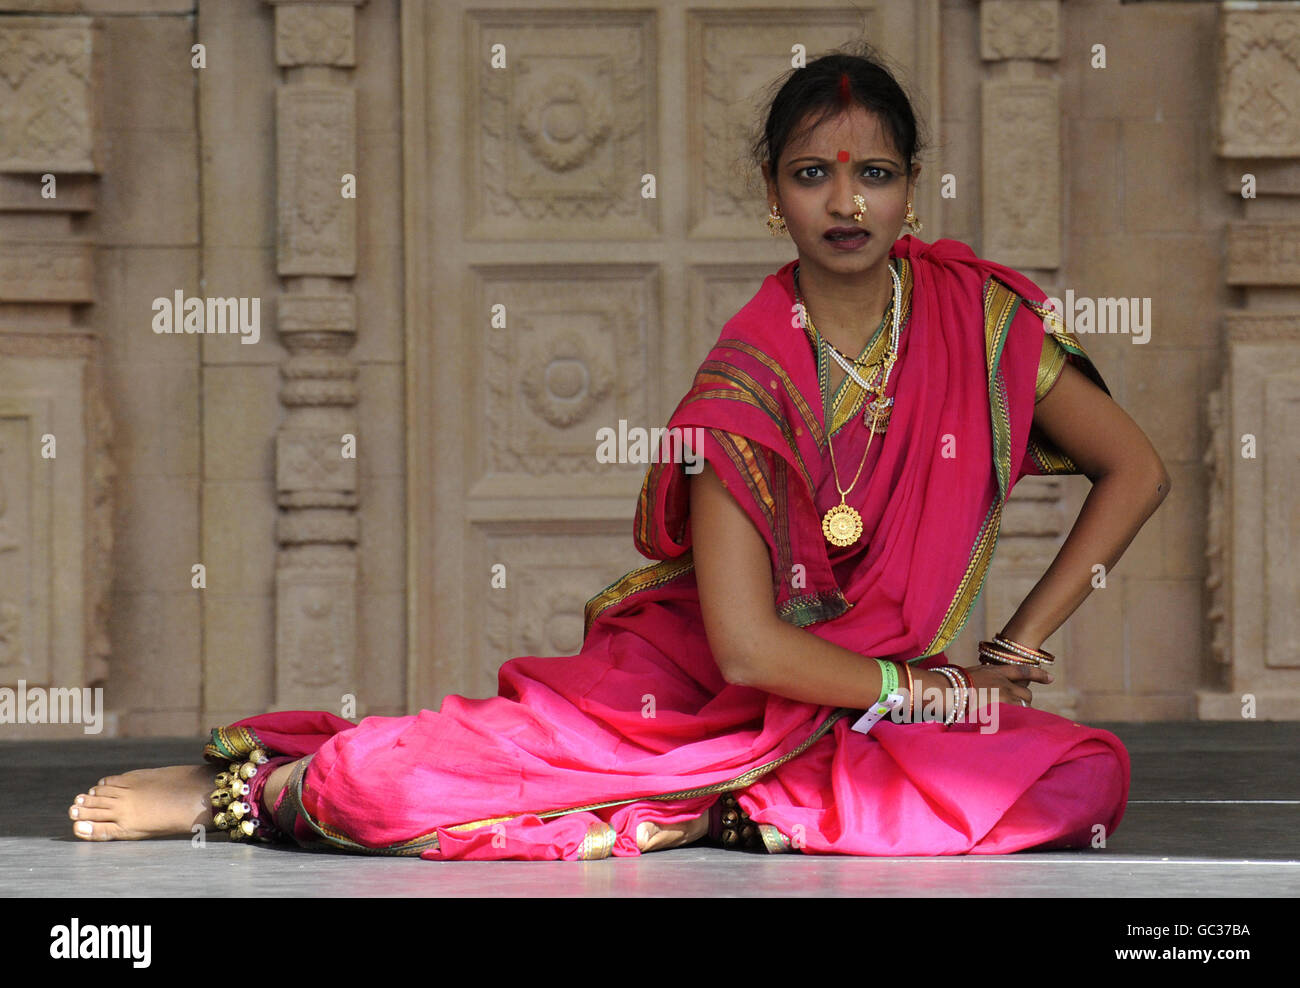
(862, 205)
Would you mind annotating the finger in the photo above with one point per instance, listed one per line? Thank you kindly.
(1023, 673)
(1012, 693)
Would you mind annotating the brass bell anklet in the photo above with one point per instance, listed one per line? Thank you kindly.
(731, 827)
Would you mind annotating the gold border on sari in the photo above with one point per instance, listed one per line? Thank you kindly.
(643, 577)
(417, 845)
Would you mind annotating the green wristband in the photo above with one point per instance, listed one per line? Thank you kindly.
(888, 678)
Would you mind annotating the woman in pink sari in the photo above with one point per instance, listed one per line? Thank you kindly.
(820, 524)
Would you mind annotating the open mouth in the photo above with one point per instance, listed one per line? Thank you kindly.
(846, 236)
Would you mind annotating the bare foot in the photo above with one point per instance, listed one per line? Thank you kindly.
(149, 802)
(652, 837)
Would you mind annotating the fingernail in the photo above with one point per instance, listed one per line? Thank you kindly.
(75, 813)
(80, 800)
(83, 828)
(92, 792)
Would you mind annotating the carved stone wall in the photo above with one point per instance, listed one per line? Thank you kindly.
(1254, 453)
(56, 469)
(502, 286)
(1020, 135)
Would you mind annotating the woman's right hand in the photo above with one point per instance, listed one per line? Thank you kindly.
(1011, 682)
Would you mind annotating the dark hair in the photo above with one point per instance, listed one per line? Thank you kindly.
(826, 86)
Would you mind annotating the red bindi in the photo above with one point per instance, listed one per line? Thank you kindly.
(843, 156)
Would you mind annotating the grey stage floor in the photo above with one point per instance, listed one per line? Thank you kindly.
(1214, 811)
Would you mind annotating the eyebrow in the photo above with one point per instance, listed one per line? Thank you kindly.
(824, 161)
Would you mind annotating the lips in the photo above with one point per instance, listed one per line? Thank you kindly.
(844, 233)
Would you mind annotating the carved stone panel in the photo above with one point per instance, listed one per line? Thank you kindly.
(1263, 254)
(1020, 29)
(313, 460)
(716, 293)
(554, 355)
(44, 272)
(550, 573)
(55, 511)
(316, 146)
(1259, 81)
(314, 34)
(316, 630)
(1021, 127)
(1281, 519)
(561, 124)
(48, 86)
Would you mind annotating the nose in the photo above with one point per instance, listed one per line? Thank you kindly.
(842, 192)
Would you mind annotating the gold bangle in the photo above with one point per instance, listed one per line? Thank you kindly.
(1023, 650)
(992, 654)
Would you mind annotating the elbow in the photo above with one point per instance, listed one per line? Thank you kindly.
(739, 660)
(1147, 480)
(1161, 482)
(735, 671)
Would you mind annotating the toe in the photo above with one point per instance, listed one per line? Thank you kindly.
(87, 830)
(96, 814)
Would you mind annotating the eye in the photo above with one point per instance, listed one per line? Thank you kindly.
(883, 174)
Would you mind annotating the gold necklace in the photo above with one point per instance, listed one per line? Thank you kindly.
(842, 524)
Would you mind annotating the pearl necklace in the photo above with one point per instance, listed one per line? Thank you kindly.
(842, 525)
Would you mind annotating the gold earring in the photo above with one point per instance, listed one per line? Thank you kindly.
(911, 218)
(775, 221)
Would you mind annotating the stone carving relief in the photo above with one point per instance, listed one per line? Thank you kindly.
(314, 34)
(1020, 29)
(573, 358)
(567, 130)
(315, 147)
(47, 82)
(1259, 91)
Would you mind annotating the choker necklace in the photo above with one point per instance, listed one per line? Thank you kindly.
(842, 525)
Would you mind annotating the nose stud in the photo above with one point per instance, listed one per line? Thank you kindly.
(862, 206)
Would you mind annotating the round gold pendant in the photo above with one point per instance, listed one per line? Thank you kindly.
(842, 525)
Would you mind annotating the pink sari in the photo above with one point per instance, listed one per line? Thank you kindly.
(576, 751)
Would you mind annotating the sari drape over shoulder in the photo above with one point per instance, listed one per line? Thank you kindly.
(575, 751)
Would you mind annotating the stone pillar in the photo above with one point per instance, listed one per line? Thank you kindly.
(316, 470)
(1253, 581)
(1020, 113)
(1021, 227)
(55, 430)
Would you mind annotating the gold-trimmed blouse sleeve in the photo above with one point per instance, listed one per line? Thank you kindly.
(1050, 364)
(1059, 346)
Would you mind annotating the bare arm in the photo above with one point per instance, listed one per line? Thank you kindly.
(754, 647)
(1128, 483)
